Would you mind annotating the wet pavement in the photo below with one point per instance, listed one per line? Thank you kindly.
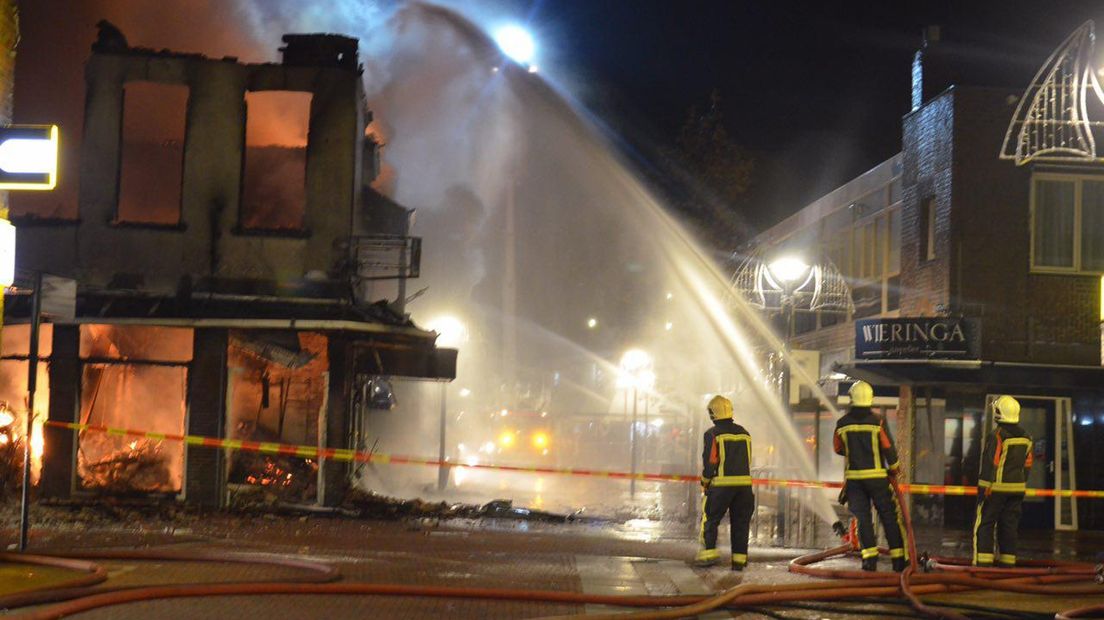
(638, 556)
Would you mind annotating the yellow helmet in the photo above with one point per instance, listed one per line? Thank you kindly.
(862, 395)
(720, 408)
(1007, 410)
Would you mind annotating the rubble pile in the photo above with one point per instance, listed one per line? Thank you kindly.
(287, 479)
(368, 505)
(138, 465)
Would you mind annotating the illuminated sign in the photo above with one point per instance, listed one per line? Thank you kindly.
(7, 253)
(28, 157)
(917, 338)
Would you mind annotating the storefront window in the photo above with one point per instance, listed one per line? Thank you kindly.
(133, 378)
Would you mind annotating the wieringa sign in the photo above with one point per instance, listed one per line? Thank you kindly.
(917, 338)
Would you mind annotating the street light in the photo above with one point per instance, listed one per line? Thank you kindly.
(788, 270)
(451, 333)
(517, 43)
(636, 373)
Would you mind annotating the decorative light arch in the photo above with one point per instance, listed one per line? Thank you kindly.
(1052, 123)
(823, 288)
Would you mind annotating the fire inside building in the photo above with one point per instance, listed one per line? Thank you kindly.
(975, 272)
(222, 243)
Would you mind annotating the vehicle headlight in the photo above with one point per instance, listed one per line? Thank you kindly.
(540, 440)
(506, 439)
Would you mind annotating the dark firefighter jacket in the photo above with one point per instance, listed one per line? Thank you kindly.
(1007, 460)
(726, 456)
(862, 437)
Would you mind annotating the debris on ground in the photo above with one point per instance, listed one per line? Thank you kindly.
(366, 504)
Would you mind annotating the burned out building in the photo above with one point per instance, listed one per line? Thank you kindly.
(220, 255)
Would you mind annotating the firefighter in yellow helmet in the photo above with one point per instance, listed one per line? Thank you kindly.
(863, 439)
(1005, 463)
(726, 484)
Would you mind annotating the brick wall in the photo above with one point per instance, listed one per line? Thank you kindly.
(927, 157)
(9, 36)
(205, 477)
(1040, 318)
(60, 457)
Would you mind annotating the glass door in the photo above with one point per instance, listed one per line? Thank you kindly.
(1047, 421)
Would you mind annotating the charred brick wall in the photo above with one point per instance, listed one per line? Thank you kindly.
(9, 37)
(205, 474)
(335, 473)
(209, 243)
(60, 457)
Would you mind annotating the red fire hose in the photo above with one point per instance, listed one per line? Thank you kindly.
(1035, 578)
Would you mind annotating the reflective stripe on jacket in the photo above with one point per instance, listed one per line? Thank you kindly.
(1007, 460)
(726, 455)
(864, 440)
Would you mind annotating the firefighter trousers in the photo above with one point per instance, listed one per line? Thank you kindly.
(739, 503)
(860, 495)
(1000, 512)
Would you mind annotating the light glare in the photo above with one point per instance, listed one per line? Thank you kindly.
(788, 269)
(451, 332)
(517, 43)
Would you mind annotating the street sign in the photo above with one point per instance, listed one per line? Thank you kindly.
(28, 157)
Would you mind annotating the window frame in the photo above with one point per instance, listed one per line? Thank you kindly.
(1078, 181)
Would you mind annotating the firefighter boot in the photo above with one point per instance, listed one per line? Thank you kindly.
(870, 564)
(707, 557)
(739, 561)
(899, 565)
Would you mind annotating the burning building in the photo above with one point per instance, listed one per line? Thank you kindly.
(225, 235)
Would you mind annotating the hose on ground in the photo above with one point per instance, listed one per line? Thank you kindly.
(94, 573)
(313, 572)
(1092, 611)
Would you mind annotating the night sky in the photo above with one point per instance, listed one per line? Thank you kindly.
(816, 89)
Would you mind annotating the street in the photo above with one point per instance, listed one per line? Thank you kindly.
(637, 557)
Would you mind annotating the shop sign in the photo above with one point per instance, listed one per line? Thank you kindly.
(917, 338)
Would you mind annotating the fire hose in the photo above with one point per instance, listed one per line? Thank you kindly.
(743, 596)
(1046, 578)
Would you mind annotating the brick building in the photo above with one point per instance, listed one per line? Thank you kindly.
(219, 274)
(972, 277)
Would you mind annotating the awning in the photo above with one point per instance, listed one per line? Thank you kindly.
(974, 372)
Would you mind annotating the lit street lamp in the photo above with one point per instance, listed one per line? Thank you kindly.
(635, 372)
(783, 283)
(517, 44)
(451, 333)
(789, 274)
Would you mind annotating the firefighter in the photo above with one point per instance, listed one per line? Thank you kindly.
(862, 438)
(726, 485)
(1005, 464)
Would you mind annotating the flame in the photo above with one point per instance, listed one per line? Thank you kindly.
(133, 444)
(6, 418)
(38, 444)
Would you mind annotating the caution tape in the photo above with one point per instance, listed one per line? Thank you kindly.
(348, 456)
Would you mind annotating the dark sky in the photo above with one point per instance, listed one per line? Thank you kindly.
(817, 88)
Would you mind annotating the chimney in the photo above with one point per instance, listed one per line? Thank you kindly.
(926, 76)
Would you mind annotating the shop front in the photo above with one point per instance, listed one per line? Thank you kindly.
(945, 391)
